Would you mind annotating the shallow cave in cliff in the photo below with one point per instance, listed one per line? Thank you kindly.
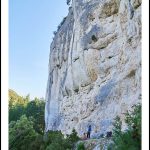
(94, 38)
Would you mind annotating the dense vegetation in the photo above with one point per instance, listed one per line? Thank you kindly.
(26, 126)
(34, 109)
(81, 146)
(131, 138)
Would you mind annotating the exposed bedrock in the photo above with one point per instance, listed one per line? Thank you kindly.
(94, 66)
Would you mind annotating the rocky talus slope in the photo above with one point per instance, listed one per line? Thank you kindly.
(94, 66)
(95, 144)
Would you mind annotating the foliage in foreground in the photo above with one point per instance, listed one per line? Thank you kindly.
(26, 127)
(21, 132)
(22, 136)
(131, 138)
(56, 139)
(81, 146)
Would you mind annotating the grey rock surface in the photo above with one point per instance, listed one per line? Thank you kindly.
(94, 66)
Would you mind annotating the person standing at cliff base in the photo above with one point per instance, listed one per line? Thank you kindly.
(89, 132)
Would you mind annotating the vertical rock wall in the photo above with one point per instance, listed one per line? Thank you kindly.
(94, 65)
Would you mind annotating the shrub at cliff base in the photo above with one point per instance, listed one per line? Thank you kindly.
(55, 140)
(72, 138)
(23, 136)
(131, 138)
(81, 146)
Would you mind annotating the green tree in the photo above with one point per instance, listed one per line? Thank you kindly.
(72, 138)
(27, 98)
(26, 127)
(21, 134)
(131, 138)
(16, 112)
(35, 109)
(17, 105)
(15, 99)
(55, 140)
(81, 146)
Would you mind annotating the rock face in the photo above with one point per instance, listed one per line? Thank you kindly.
(94, 66)
(96, 144)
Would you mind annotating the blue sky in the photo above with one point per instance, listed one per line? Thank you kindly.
(31, 26)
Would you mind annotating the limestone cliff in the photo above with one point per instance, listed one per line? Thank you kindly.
(94, 65)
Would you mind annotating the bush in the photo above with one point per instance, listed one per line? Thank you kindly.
(35, 109)
(131, 138)
(55, 146)
(72, 138)
(21, 134)
(81, 146)
(55, 139)
(16, 112)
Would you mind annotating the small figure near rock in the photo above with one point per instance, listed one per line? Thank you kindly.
(84, 136)
(89, 131)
